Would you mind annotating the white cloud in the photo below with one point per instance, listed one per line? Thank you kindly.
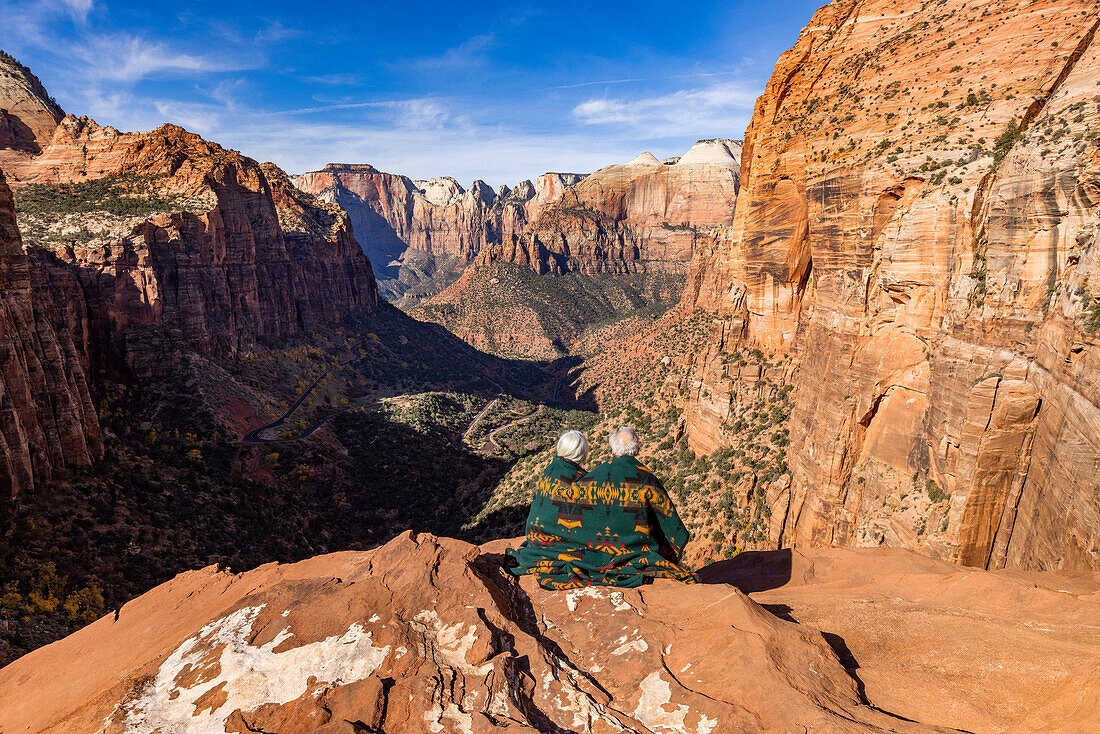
(716, 109)
(79, 9)
(122, 57)
(336, 79)
(470, 52)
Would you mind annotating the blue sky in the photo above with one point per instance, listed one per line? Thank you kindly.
(490, 90)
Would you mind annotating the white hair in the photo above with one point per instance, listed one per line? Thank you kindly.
(624, 441)
(573, 446)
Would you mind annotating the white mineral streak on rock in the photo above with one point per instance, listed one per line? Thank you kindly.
(463, 721)
(638, 645)
(248, 676)
(616, 598)
(451, 642)
(654, 709)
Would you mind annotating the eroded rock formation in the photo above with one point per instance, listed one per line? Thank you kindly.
(28, 114)
(917, 228)
(146, 245)
(421, 234)
(638, 217)
(429, 634)
(624, 235)
(47, 420)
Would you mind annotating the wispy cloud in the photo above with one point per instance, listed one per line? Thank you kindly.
(597, 83)
(723, 107)
(472, 51)
(336, 79)
(122, 57)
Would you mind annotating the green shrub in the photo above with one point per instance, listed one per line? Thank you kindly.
(934, 491)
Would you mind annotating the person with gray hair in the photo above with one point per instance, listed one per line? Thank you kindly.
(573, 447)
(615, 526)
(624, 441)
(564, 469)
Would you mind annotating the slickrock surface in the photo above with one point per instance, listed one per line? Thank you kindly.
(429, 635)
(917, 229)
(47, 420)
(421, 234)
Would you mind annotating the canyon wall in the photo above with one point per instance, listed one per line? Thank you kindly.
(140, 247)
(615, 242)
(421, 234)
(28, 114)
(641, 216)
(47, 420)
(917, 229)
(221, 251)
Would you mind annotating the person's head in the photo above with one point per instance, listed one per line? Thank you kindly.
(573, 446)
(624, 441)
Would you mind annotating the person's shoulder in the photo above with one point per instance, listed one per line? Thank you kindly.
(598, 473)
(645, 473)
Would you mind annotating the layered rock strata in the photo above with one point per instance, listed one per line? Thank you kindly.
(148, 245)
(429, 634)
(235, 252)
(420, 234)
(917, 228)
(623, 236)
(641, 216)
(47, 420)
(28, 114)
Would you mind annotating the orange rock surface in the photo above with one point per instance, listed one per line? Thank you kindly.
(429, 634)
(643, 215)
(917, 228)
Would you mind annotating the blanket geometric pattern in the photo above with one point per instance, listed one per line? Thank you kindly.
(615, 526)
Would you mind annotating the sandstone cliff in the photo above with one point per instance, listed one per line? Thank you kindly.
(144, 246)
(28, 114)
(615, 242)
(421, 234)
(429, 634)
(186, 244)
(643, 216)
(917, 230)
(47, 421)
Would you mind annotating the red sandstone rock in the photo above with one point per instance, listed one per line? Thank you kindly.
(932, 274)
(47, 421)
(251, 256)
(401, 222)
(429, 635)
(28, 115)
(238, 254)
(644, 215)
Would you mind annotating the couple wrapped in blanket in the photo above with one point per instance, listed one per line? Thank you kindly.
(614, 525)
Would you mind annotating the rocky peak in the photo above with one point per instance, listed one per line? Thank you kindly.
(713, 152)
(28, 115)
(481, 192)
(440, 191)
(645, 159)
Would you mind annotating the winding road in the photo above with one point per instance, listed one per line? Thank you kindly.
(255, 436)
